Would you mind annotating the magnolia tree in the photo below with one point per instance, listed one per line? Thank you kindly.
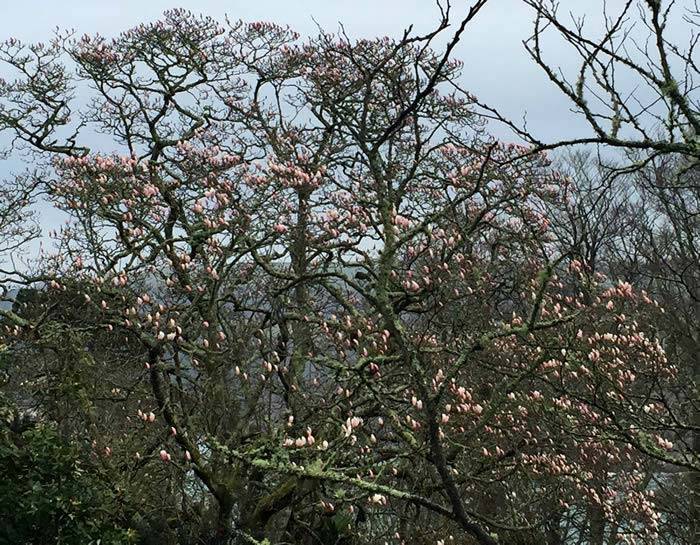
(303, 294)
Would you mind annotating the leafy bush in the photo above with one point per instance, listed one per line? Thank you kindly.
(51, 494)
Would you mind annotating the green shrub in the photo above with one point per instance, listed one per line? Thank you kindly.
(49, 494)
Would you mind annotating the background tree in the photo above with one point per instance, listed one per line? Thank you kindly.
(643, 229)
(636, 86)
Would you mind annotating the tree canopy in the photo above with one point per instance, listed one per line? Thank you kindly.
(302, 295)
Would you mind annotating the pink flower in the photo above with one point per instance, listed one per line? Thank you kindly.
(165, 456)
(401, 221)
(280, 228)
(378, 499)
(149, 190)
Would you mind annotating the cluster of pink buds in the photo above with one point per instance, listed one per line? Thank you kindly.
(351, 424)
(378, 499)
(303, 441)
(146, 417)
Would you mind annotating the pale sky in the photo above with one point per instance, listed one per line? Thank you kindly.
(497, 69)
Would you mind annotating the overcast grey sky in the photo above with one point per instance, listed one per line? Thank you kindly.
(497, 69)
